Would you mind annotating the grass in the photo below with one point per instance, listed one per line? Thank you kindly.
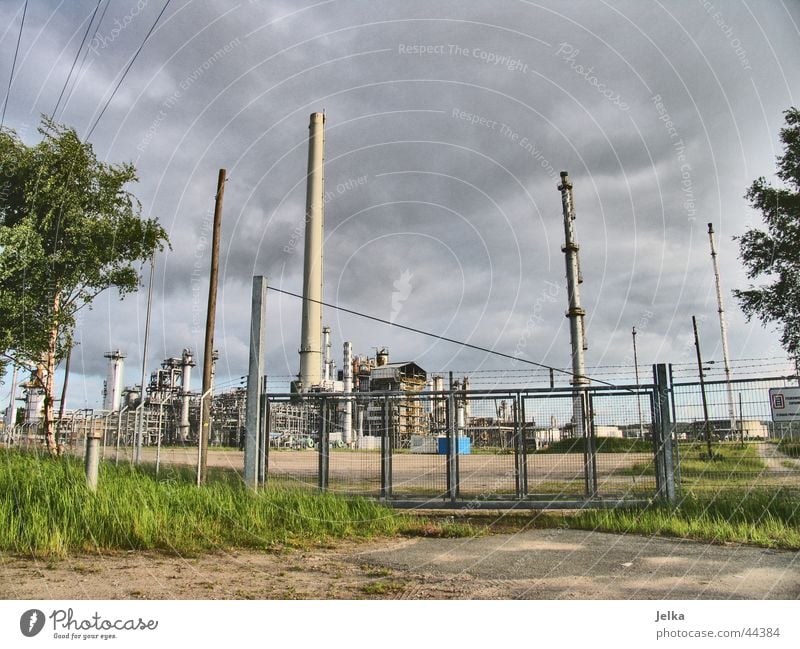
(602, 445)
(790, 446)
(769, 518)
(766, 518)
(47, 511)
(731, 462)
(729, 458)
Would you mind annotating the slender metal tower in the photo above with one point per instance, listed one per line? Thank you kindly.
(114, 380)
(347, 376)
(327, 362)
(636, 369)
(723, 329)
(142, 392)
(311, 329)
(11, 413)
(187, 363)
(576, 328)
(574, 280)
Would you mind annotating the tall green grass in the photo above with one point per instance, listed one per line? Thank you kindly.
(602, 445)
(790, 446)
(47, 510)
(769, 518)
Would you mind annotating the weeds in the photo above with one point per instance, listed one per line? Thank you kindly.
(47, 511)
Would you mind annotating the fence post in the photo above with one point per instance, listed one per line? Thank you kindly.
(590, 454)
(386, 451)
(655, 415)
(263, 438)
(253, 427)
(92, 458)
(664, 460)
(676, 459)
(452, 446)
(323, 444)
(524, 466)
(518, 448)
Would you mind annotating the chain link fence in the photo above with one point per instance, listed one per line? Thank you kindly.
(731, 442)
(478, 448)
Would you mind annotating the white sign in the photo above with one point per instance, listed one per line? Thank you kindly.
(785, 404)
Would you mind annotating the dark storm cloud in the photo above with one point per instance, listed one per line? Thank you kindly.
(447, 126)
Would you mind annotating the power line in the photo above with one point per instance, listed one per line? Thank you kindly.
(130, 63)
(13, 64)
(75, 60)
(432, 335)
(86, 54)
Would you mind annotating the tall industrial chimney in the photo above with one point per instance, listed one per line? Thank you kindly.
(347, 376)
(311, 329)
(187, 363)
(114, 380)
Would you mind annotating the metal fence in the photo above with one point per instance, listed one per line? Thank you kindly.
(487, 448)
(475, 447)
(747, 449)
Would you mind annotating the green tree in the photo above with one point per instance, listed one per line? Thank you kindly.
(774, 253)
(68, 231)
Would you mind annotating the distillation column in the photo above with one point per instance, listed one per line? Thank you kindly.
(576, 323)
(347, 376)
(187, 363)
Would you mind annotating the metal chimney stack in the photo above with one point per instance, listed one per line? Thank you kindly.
(327, 362)
(187, 363)
(311, 328)
(576, 330)
(347, 376)
(114, 380)
(723, 327)
(574, 280)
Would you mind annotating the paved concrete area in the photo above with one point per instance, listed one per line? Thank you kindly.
(574, 564)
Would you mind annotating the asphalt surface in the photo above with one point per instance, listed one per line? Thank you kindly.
(574, 564)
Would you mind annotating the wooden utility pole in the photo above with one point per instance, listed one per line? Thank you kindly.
(702, 389)
(208, 352)
(63, 403)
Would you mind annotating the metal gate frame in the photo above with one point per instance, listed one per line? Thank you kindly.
(658, 393)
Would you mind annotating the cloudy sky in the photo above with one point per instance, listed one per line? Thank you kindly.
(448, 123)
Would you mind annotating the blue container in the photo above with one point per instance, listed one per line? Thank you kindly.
(464, 445)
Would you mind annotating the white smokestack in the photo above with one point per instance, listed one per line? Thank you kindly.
(116, 366)
(187, 363)
(347, 376)
(327, 363)
(311, 330)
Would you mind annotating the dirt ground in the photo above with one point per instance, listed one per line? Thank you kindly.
(530, 564)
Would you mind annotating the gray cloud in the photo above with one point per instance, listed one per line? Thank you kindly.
(441, 160)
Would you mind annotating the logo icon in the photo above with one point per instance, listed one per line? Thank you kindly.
(778, 402)
(31, 622)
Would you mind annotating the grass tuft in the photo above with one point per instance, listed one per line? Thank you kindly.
(602, 445)
(48, 511)
(769, 518)
(790, 446)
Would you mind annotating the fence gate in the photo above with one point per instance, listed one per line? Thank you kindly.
(471, 448)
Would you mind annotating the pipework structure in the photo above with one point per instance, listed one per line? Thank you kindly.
(311, 328)
(723, 327)
(577, 331)
(574, 280)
